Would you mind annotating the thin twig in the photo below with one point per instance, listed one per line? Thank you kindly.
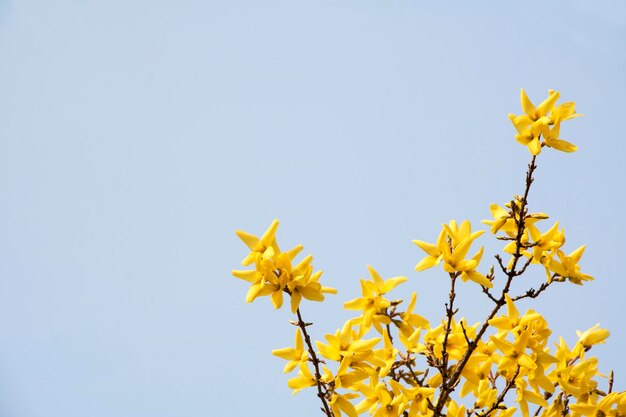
(532, 293)
(528, 262)
(467, 339)
(321, 392)
(449, 314)
(491, 297)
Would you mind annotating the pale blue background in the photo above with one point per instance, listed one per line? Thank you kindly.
(136, 136)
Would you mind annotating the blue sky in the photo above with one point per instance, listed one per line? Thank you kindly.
(136, 136)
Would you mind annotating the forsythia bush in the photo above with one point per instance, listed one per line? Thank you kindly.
(392, 362)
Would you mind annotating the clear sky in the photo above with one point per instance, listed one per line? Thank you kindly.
(136, 136)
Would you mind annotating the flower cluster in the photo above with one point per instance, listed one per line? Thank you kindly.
(452, 246)
(543, 122)
(389, 361)
(275, 274)
(539, 248)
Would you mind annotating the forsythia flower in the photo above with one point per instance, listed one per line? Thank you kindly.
(593, 336)
(567, 266)
(536, 122)
(341, 403)
(305, 283)
(373, 303)
(409, 321)
(259, 246)
(274, 273)
(346, 343)
(452, 245)
(295, 356)
(303, 380)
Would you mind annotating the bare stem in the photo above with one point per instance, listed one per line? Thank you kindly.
(321, 391)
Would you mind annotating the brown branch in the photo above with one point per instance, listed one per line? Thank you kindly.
(532, 293)
(449, 314)
(611, 379)
(491, 297)
(565, 411)
(321, 389)
(467, 339)
(528, 262)
(502, 267)
(522, 214)
(389, 333)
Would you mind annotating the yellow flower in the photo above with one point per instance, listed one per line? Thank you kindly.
(531, 137)
(567, 266)
(600, 409)
(593, 336)
(453, 410)
(340, 403)
(513, 353)
(452, 246)
(564, 111)
(305, 283)
(457, 343)
(372, 303)
(296, 356)
(412, 343)
(576, 379)
(417, 396)
(536, 121)
(384, 358)
(512, 318)
(273, 272)
(258, 246)
(535, 113)
(524, 396)
(477, 369)
(409, 321)
(551, 138)
(392, 403)
(345, 343)
(486, 394)
(303, 380)
(349, 379)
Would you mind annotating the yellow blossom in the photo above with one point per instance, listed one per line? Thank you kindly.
(593, 336)
(372, 302)
(551, 138)
(346, 343)
(305, 283)
(340, 404)
(525, 396)
(417, 397)
(295, 356)
(409, 321)
(536, 121)
(303, 380)
(567, 266)
(452, 246)
(258, 246)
